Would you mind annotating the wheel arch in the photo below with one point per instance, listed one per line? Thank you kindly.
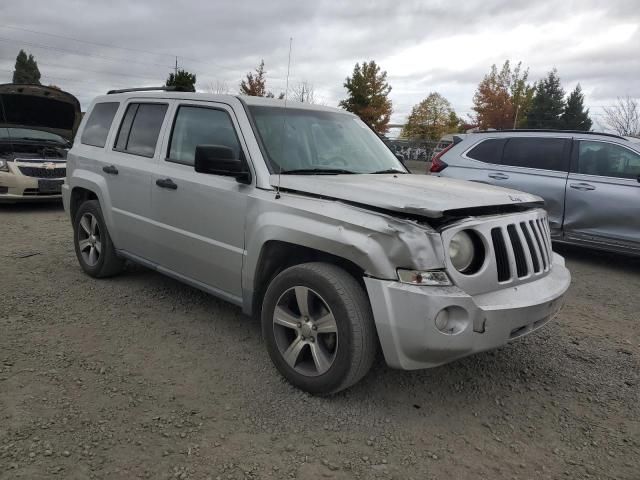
(85, 185)
(278, 255)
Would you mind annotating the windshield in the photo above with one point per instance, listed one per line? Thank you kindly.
(299, 140)
(27, 133)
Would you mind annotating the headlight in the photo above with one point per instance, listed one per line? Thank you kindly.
(4, 167)
(427, 277)
(461, 251)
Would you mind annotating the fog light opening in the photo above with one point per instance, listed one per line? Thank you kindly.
(452, 320)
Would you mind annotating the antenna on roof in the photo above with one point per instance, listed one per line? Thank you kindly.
(282, 135)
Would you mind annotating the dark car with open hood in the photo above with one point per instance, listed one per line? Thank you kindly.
(37, 125)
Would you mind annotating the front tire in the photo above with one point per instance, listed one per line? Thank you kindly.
(318, 327)
(94, 248)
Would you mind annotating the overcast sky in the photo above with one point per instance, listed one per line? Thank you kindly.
(424, 46)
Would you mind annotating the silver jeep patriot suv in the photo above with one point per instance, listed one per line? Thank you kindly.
(303, 217)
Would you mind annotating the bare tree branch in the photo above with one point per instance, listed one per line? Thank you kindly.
(303, 92)
(624, 116)
(220, 87)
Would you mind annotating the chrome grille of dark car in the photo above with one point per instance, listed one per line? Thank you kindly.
(43, 172)
(521, 249)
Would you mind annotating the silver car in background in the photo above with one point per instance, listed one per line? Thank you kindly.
(590, 181)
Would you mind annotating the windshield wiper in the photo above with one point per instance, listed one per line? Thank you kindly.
(389, 170)
(317, 171)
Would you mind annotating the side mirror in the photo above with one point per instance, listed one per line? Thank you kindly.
(220, 160)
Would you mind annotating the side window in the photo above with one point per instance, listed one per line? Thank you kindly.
(531, 152)
(607, 160)
(488, 151)
(140, 128)
(98, 124)
(200, 126)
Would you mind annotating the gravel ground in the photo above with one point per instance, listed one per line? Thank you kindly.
(140, 376)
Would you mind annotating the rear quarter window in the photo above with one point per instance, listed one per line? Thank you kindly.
(140, 128)
(488, 151)
(537, 152)
(98, 124)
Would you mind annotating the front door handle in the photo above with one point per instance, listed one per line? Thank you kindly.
(110, 169)
(499, 176)
(582, 186)
(166, 183)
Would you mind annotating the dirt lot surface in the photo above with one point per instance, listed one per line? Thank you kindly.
(140, 376)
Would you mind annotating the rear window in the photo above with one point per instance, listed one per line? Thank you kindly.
(488, 151)
(98, 124)
(540, 153)
(140, 128)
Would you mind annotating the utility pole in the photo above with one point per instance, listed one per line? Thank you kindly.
(176, 69)
(515, 120)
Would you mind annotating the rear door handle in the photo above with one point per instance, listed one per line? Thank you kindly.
(499, 176)
(166, 183)
(110, 169)
(582, 186)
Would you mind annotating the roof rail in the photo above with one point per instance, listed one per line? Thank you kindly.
(550, 130)
(151, 89)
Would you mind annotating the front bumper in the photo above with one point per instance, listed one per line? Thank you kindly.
(405, 317)
(16, 187)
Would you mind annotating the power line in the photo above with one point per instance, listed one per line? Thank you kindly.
(67, 67)
(84, 41)
(76, 52)
(37, 32)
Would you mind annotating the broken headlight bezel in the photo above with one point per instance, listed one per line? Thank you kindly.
(432, 278)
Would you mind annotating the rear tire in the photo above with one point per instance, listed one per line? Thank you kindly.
(94, 248)
(318, 327)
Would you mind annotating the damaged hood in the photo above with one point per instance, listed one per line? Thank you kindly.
(423, 195)
(39, 108)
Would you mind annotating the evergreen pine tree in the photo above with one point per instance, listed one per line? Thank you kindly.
(368, 96)
(183, 79)
(575, 117)
(547, 105)
(26, 69)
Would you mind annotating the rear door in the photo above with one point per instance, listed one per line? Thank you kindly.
(127, 171)
(603, 195)
(537, 165)
(199, 218)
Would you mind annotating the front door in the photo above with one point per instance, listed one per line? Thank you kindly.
(200, 217)
(603, 195)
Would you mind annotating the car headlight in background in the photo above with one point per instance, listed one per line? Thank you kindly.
(424, 277)
(4, 167)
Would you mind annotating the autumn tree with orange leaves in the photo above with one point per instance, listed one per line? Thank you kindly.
(503, 98)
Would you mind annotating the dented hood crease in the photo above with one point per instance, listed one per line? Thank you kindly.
(423, 195)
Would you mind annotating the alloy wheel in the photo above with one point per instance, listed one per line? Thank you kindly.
(89, 239)
(305, 331)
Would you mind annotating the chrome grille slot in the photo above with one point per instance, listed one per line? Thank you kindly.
(502, 258)
(535, 259)
(518, 251)
(541, 245)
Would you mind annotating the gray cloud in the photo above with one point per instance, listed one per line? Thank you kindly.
(424, 46)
